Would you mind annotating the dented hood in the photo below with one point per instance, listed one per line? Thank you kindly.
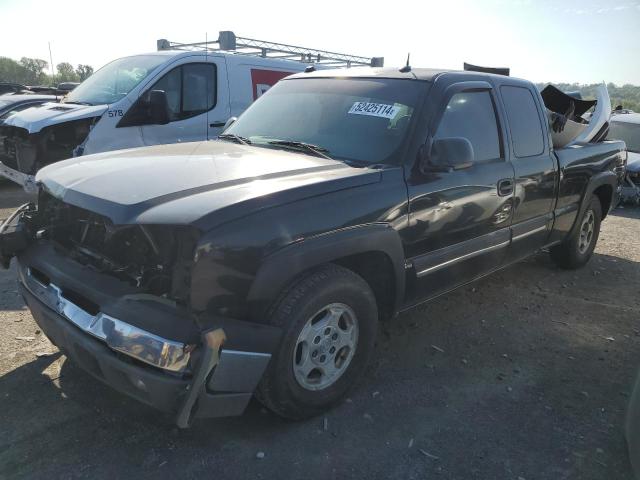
(36, 118)
(201, 184)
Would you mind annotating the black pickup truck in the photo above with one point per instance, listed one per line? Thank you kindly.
(193, 276)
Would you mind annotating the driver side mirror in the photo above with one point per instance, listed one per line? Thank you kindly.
(446, 154)
(158, 107)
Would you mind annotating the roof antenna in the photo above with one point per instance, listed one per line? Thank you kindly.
(206, 61)
(407, 67)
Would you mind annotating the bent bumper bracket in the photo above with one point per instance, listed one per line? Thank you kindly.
(212, 344)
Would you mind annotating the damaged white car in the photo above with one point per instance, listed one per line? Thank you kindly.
(626, 126)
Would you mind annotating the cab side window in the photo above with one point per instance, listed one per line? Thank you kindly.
(524, 121)
(471, 115)
(190, 90)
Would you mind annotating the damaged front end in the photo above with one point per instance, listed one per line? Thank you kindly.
(25, 153)
(116, 300)
(155, 260)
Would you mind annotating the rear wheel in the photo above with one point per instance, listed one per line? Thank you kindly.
(576, 250)
(329, 320)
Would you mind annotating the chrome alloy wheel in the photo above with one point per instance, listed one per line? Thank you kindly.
(325, 347)
(586, 231)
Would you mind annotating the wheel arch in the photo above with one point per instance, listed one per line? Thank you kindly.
(604, 193)
(603, 186)
(372, 251)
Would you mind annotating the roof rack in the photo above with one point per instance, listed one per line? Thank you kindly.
(228, 41)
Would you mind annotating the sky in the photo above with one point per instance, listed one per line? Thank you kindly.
(584, 41)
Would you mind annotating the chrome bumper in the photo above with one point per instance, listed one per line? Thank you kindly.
(118, 335)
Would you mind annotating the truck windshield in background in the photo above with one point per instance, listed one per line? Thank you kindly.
(115, 80)
(363, 120)
(629, 132)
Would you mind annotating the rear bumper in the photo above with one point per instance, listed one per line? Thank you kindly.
(214, 382)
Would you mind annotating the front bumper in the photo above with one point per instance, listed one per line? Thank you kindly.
(188, 379)
(27, 182)
(146, 385)
(119, 336)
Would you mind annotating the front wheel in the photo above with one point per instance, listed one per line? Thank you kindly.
(329, 320)
(576, 250)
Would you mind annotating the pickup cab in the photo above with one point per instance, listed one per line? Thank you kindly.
(193, 276)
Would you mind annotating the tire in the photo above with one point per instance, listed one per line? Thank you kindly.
(330, 297)
(576, 250)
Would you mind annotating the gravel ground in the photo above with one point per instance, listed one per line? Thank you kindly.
(523, 375)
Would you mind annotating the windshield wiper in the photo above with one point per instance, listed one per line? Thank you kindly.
(309, 147)
(235, 138)
(79, 103)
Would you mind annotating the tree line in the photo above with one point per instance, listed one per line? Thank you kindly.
(627, 95)
(35, 71)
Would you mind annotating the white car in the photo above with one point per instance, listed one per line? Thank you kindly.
(626, 126)
(169, 96)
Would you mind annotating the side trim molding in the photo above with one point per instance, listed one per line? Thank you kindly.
(530, 232)
(453, 261)
(450, 255)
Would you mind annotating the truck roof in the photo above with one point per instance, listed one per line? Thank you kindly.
(424, 74)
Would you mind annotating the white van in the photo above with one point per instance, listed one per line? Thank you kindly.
(181, 93)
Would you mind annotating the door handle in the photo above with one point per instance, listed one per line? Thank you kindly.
(505, 187)
(217, 124)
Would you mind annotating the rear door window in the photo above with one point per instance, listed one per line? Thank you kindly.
(524, 121)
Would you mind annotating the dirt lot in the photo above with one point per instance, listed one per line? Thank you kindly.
(525, 374)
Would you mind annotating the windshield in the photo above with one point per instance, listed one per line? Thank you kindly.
(363, 120)
(115, 80)
(629, 132)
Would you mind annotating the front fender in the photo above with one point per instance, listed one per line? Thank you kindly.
(279, 269)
